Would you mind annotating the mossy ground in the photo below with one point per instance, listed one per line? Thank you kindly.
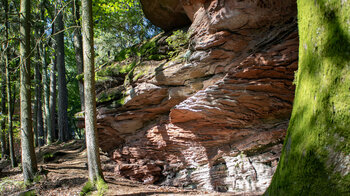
(319, 127)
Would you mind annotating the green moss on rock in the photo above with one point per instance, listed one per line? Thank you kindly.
(146, 50)
(108, 96)
(315, 156)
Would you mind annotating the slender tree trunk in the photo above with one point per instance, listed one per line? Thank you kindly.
(93, 154)
(53, 98)
(53, 90)
(78, 47)
(48, 131)
(4, 149)
(35, 108)
(35, 115)
(8, 83)
(29, 163)
(45, 82)
(39, 117)
(62, 84)
(3, 142)
(3, 125)
(10, 126)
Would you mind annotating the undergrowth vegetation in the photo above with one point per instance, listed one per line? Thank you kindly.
(177, 41)
(90, 187)
(129, 65)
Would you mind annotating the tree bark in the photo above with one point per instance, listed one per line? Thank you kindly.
(3, 112)
(8, 84)
(62, 84)
(29, 163)
(315, 158)
(4, 149)
(35, 113)
(52, 102)
(46, 83)
(53, 94)
(93, 154)
(38, 95)
(78, 47)
(10, 124)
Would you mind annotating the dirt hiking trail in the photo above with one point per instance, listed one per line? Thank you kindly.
(63, 171)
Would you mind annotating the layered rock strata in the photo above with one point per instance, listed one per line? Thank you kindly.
(214, 117)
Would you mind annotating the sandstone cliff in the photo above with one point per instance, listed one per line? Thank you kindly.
(214, 116)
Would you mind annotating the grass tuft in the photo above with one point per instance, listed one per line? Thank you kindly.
(87, 188)
(100, 185)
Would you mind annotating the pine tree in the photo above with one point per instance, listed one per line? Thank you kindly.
(8, 85)
(29, 163)
(78, 47)
(3, 110)
(94, 164)
(62, 83)
(53, 94)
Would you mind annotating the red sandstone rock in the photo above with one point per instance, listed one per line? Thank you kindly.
(166, 14)
(218, 119)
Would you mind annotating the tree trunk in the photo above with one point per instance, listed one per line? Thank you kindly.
(316, 156)
(39, 117)
(46, 83)
(10, 124)
(4, 149)
(3, 111)
(28, 154)
(35, 114)
(52, 102)
(62, 84)
(8, 84)
(53, 94)
(93, 154)
(35, 108)
(78, 47)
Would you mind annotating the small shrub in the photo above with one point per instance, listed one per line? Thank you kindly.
(177, 42)
(88, 187)
(20, 166)
(48, 157)
(100, 185)
(127, 68)
(156, 57)
(121, 101)
(29, 193)
(37, 178)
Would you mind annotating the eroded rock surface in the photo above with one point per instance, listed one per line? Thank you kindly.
(215, 119)
(166, 14)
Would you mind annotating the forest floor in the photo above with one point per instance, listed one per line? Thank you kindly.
(64, 172)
